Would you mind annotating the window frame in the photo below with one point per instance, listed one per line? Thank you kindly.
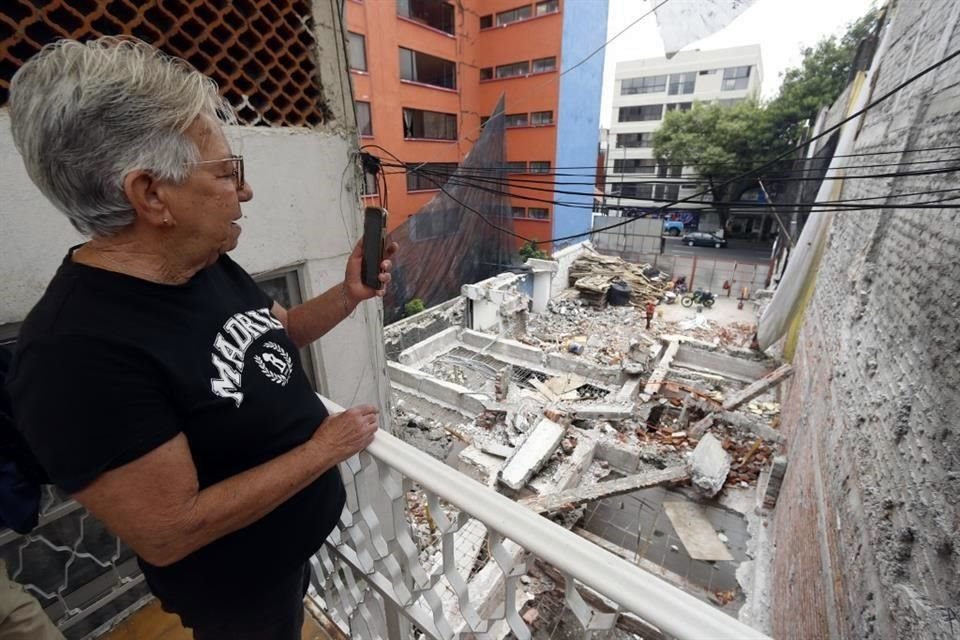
(644, 85)
(414, 54)
(423, 114)
(642, 134)
(534, 216)
(369, 108)
(684, 81)
(540, 166)
(734, 75)
(640, 109)
(418, 178)
(538, 13)
(516, 10)
(507, 120)
(553, 65)
(533, 118)
(363, 49)
(423, 22)
(509, 67)
(293, 279)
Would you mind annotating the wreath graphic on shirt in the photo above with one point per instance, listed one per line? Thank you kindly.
(277, 368)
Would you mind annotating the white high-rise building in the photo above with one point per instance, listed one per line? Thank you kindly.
(644, 92)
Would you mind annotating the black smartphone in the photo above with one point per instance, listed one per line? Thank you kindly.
(374, 242)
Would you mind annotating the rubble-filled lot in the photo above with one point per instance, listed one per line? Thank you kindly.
(583, 403)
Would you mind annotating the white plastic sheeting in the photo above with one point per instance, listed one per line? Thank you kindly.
(799, 278)
(683, 22)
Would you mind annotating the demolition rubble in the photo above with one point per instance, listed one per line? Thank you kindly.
(579, 406)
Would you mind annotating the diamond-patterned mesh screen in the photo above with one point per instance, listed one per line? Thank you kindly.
(260, 52)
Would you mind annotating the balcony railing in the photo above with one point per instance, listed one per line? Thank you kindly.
(375, 580)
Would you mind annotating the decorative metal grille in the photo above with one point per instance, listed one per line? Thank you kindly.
(82, 575)
(260, 52)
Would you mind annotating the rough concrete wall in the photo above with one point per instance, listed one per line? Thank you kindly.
(867, 522)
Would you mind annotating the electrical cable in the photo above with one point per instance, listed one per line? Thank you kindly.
(741, 176)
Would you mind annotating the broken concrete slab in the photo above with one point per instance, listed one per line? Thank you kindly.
(709, 466)
(540, 444)
(497, 449)
(480, 466)
(700, 426)
(757, 387)
(628, 392)
(733, 367)
(698, 536)
(601, 411)
(589, 493)
(660, 372)
(563, 384)
(429, 348)
(571, 469)
(624, 459)
(452, 394)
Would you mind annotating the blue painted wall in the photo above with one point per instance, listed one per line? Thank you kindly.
(578, 122)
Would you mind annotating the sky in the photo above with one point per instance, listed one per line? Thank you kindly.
(781, 28)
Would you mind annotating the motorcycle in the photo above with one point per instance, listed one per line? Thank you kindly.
(700, 296)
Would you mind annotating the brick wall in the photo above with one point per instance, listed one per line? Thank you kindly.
(866, 526)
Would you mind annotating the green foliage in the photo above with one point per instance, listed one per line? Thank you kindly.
(413, 307)
(821, 77)
(718, 143)
(530, 250)
(721, 142)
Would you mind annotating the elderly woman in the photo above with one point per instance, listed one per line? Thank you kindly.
(154, 380)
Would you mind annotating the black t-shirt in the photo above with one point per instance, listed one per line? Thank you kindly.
(109, 367)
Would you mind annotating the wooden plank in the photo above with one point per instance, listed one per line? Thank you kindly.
(573, 497)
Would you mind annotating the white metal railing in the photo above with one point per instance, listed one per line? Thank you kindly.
(375, 580)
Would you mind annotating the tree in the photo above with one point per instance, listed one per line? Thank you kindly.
(530, 250)
(820, 78)
(719, 143)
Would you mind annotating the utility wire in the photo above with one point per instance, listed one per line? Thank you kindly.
(741, 176)
(488, 183)
(593, 167)
(710, 206)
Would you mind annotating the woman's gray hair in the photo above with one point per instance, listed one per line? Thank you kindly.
(84, 115)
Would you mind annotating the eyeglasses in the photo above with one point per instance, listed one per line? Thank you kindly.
(236, 161)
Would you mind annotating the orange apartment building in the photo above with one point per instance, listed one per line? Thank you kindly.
(427, 73)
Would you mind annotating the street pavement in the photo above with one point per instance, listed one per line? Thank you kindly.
(737, 249)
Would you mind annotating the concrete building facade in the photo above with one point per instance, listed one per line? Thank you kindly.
(427, 73)
(645, 91)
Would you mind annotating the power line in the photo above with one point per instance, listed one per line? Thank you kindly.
(482, 182)
(593, 167)
(741, 176)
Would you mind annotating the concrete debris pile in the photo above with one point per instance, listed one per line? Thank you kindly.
(592, 274)
(588, 405)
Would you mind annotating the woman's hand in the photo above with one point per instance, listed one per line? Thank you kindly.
(354, 288)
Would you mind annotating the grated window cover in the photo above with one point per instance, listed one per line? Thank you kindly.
(260, 52)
